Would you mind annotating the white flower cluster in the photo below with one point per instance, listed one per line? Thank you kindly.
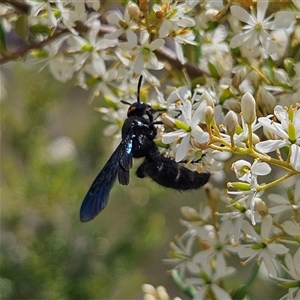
(226, 75)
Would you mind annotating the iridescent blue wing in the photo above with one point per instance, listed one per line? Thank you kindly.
(118, 165)
(97, 196)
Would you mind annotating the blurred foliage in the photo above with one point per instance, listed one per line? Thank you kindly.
(46, 252)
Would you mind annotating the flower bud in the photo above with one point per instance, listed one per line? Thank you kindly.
(255, 79)
(190, 213)
(212, 14)
(134, 12)
(209, 114)
(239, 76)
(255, 139)
(149, 289)
(168, 120)
(242, 186)
(162, 293)
(231, 122)
(265, 100)
(289, 284)
(261, 207)
(282, 77)
(248, 108)
(209, 100)
(232, 104)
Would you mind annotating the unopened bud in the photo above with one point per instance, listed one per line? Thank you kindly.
(162, 293)
(209, 100)
(255, 139)
(282, 77)
(231, 122)
(261, 207)
(248, 108)
(255, 79)
(232, 104)
(149, 289)
(134, 12)
(289, 284)
(168, 120)
(212, 14)
(242, 186)
(209, 114)
(239, 77)
(190, 213)
(265, 100)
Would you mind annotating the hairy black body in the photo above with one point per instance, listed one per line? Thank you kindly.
(138, 133)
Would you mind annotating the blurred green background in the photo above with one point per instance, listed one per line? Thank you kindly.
(52, 148)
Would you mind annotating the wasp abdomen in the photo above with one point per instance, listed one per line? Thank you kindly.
(168, 173)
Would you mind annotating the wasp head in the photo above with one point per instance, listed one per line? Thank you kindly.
(140, 109)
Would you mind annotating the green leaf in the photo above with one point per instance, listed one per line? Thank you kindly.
(226, 94)
(40, 28)
(22, 27)
(240, 293)
(2, 39)
(198, 81)
(213, 71)
(193, 52)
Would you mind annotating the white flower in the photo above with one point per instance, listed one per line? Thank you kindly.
(256, 30)
(248, 192)
(291, 228)
(246, 172)
(61, 67)
(209, 280)
(216, 51)
(89, 49)
(292, 268)
(37, 7)
(103, 84)
(191, 119)
(283, 204)
(143, 54)
(264, 247)
(124, 23)
(173, 17)
(182, 37)
(181, 254)
(288, 130)
(217, 245)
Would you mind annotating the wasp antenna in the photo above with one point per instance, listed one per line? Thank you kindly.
(125, 102)
(138, 88)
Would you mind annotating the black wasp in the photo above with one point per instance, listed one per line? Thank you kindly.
(138, 133)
